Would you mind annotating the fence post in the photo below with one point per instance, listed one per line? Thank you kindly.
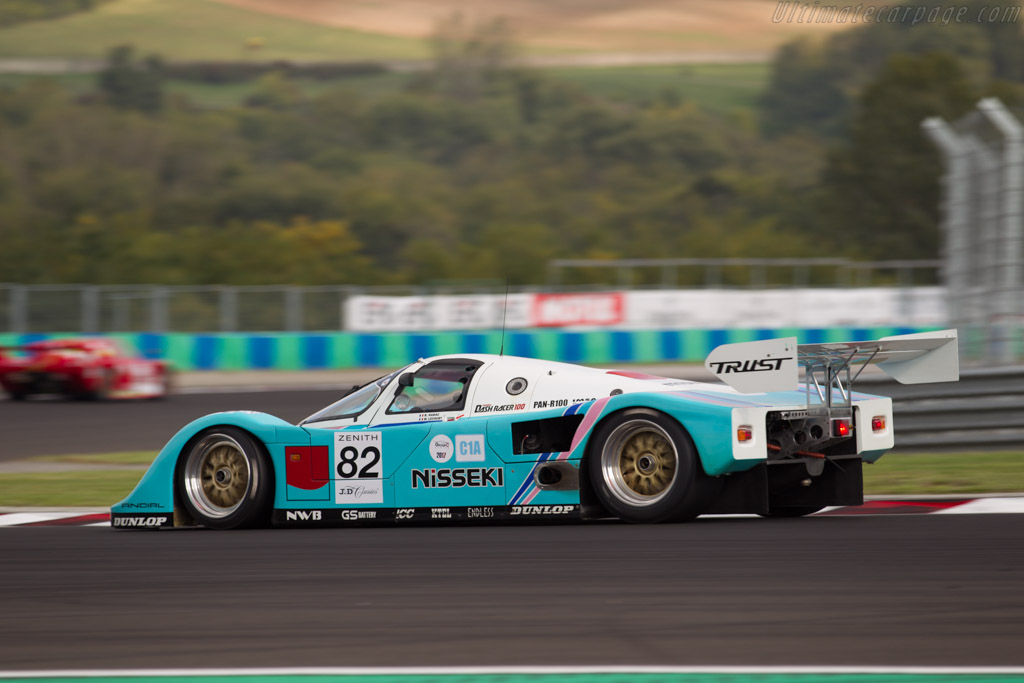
(293, 309)
(158, 318)
(19, 309)
(1012, 215)
(955, 216)
(90, 322)
(228, 308)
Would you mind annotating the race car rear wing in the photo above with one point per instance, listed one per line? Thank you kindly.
(774, 364)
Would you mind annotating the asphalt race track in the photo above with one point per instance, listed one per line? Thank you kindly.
(898, 590)
(58, 427)
(937, 590)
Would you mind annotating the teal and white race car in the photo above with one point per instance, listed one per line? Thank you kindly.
(479, 438)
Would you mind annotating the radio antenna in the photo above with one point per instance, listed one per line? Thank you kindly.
(504, 314)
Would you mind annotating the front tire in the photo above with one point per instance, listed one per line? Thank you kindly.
(226, 480)
(644, 468)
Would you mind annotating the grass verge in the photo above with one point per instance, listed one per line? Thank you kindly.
(66, 489)
(718, 88)
(912, 473)
(894, 474)
(715, 87)
(127, 458)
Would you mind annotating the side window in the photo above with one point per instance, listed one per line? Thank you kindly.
(438, 387)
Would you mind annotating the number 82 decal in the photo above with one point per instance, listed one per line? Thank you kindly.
(358, 455)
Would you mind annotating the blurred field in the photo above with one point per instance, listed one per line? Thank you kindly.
(565, 25)
(715, 87)
(398, 29)
(894, 474)
(198, 29)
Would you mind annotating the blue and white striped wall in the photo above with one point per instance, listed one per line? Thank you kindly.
(328, 350)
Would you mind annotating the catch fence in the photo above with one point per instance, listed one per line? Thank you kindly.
(98, 309)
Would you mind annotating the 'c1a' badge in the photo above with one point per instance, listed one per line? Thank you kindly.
(470, 448)
(441, 449)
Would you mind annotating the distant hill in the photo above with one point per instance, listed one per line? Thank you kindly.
(400, 29)
(14, 12)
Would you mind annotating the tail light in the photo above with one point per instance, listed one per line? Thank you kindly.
(744, 433)
(842, 427)
(878, 423)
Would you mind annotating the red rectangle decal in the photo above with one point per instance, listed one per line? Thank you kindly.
(565, 310)
(307, 467)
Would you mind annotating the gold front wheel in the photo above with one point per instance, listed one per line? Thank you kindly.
(217, 476)
(226, 479)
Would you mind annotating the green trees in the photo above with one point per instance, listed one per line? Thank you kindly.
(815, 84)
(881, 196)
(479, 171)
(128, 83)
(422, 185)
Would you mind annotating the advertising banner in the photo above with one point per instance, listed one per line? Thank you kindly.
(653, 309)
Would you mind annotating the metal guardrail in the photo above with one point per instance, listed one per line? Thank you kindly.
(983, 411)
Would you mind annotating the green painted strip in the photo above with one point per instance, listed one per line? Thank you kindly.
(696, 345)
(234, 352)
(838, 334)
(646, 346)
(492, 342)
(126, 341)
(597, 347)
(179, 351)
(396, 351)
(342, 352)
(289, 352)
(545, 344)
(555, 678)
(448, 343)
(740, 335)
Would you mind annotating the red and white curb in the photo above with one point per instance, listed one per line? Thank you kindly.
(876, 506)
(54, 518)
(943, 506)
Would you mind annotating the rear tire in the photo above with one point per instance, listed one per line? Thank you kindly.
(226, 480)
(102, 390)
(644, 468)
(166, 385)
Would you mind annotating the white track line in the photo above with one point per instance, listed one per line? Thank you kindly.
(521, 670)
(986, 506)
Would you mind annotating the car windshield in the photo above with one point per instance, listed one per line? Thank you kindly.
(355, 402)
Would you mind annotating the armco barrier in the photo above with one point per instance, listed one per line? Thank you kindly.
(317, 351)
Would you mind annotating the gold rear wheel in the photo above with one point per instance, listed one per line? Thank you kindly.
(639, 462)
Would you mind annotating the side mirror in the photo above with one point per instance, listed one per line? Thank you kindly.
(405, 379)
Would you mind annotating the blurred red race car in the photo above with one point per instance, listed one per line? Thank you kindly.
(90, 368)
